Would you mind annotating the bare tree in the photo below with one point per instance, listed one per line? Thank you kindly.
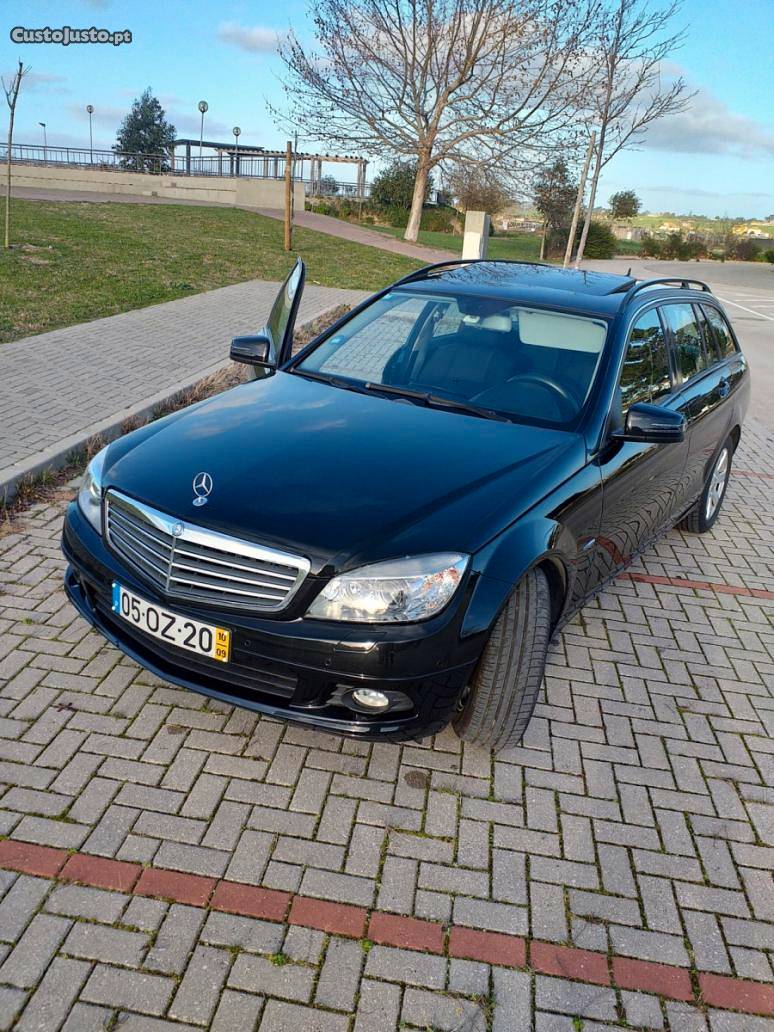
(11, 91)
(477, 188)
(486, 82)
(630, 95)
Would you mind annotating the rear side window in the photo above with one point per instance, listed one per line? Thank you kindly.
(724, 340)
(645, 375)
(687, 342)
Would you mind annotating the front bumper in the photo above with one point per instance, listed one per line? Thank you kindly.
(293, 669)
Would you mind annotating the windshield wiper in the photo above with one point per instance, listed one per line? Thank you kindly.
(436, 401)
(334, 381)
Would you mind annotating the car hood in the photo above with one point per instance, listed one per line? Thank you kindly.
(339, 476)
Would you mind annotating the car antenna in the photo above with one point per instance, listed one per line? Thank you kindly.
(630, 271)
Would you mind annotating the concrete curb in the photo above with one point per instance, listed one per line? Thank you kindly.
(55, 457)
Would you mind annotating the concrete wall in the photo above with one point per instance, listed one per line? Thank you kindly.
(251, 193)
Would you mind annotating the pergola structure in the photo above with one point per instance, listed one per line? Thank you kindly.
(236, 159)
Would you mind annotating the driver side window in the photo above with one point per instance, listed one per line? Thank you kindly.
(645, 374)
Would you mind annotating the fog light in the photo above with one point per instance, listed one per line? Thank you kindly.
(368, 697)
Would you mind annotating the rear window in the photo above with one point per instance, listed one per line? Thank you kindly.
(724, 340)
(687, 341)
(645, 375)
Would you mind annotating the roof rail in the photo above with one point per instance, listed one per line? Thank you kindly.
(427, 270)
(683, 282)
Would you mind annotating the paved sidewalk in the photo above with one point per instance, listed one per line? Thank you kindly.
(57, 389)
(171, 863)
(360, 235)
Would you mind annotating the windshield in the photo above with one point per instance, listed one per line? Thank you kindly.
(532, 365)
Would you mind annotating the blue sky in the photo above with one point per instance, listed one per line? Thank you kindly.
(717, 158)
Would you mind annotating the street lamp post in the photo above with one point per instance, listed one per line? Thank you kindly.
(203, 106)
(236, 131)
(45, 144)
(90, 109)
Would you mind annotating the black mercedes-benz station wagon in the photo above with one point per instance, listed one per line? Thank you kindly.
(379, 535)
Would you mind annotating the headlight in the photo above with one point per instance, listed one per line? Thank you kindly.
(398, 591)
(90, 492)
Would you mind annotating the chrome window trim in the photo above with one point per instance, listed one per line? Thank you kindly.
(205, 538)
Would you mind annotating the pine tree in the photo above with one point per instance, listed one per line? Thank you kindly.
(145, 136)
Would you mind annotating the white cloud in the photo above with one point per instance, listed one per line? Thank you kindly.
(191, 124)
(256, 39)
(709, 126)
(39, 82)
(104, 114)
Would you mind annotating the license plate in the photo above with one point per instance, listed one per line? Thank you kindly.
(201, 638)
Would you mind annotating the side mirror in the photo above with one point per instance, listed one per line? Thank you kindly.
(256, 350)
(652, 424)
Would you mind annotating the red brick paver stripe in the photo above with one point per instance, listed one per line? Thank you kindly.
(737, 994)
(31, 859)
(569, 962)
(489, 947)
(753, 473)
(101, 872)
(662, 979)
(336, 918)
(183, 888)
(387, 929)
(251, 901)
(410, 933)
(683, 582)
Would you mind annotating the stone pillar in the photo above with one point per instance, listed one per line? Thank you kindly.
(476, 235)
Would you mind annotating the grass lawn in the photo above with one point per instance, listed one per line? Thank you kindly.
(518, 246)
(74, 261)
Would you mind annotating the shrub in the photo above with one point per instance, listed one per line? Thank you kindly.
(769, 255)
(601, 242)
(440, 219)
(394, 186)
(651, 248)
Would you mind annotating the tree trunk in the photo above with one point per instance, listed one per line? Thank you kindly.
(420, 185)
(591, 199)
(543, 242)
(579, 201)
(7, 238)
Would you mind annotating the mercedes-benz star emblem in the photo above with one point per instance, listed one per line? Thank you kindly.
(202, 486)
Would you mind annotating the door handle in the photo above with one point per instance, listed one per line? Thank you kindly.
(724, 388)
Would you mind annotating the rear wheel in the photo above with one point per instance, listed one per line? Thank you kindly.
(504, 689)
(705, 512)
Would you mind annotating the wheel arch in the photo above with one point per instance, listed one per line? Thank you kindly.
(543, 544)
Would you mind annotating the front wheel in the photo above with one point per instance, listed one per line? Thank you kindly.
(504, 689)
(702, 517)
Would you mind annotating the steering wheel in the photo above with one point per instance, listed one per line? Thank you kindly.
(567, 403)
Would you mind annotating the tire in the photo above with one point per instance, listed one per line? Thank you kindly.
(702, 516)
(504, 689)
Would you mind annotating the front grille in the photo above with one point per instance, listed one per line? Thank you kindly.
(198, 565)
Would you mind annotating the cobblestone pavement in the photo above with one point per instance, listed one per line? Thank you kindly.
(172, 863)
(58, 388)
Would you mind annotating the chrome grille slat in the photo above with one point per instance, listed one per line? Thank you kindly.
(214, 587)
(190, 562)
(220, 564)
(140, 544)
(236, 560)
(151, 534)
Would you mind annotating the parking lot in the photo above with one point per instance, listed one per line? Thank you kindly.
(168, 862)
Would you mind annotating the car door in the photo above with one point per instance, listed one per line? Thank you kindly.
(642, 484)
(702, 387)
(726, 350)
